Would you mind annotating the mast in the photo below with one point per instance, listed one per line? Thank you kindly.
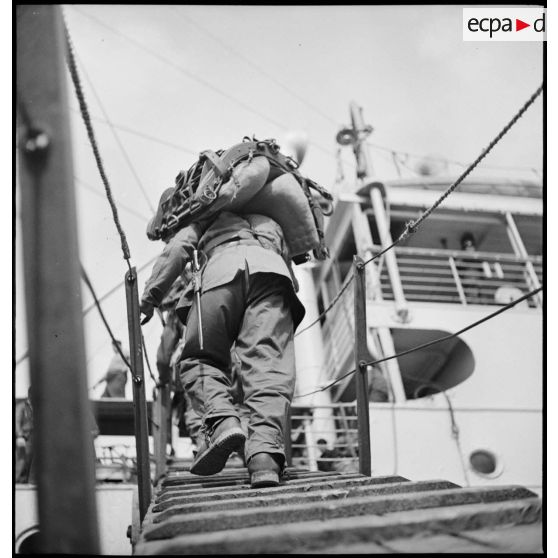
(63, 440)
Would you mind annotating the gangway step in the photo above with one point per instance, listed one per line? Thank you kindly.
(315, 511)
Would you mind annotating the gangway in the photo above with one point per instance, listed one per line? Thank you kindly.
(310, 511)
(333, 513)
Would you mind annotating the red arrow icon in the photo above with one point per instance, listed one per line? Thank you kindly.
(519, 25)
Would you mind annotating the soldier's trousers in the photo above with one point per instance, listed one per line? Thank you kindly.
(254, 311)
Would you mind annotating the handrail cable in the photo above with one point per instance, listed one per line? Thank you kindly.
(348, 281)
(117, 138)
(91, 134)
(115, 343)
(424, 345)
(157, 383)
(87, 121)
(412, 226)
(91, 306)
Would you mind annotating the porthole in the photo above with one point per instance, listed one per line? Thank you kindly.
(485, 463)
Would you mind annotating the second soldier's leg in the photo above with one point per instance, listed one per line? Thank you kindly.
(205, 372)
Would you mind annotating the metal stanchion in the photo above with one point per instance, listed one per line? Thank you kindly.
(138, 390)
(361, 357)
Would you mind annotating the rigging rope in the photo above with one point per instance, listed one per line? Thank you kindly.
(411, 226)
(124, 243)
(107, 326)
(424, 345)
(87, 121)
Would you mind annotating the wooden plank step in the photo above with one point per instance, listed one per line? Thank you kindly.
(384, 504)
(264, 499)
(306, 535)
(188, 480)
(523, 539)
(296, 485)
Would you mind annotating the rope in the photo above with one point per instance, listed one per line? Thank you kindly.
(91, 134)
(114, 342)
(348, 281)
(424, 345)
(89, 308)
(454, 425)
(411, 226)
(157, 384)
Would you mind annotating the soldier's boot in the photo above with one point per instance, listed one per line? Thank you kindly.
(222, 438)
(264, 470)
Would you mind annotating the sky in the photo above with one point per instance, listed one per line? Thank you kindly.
(166, 82)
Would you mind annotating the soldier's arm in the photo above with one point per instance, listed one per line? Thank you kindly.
(168, 266)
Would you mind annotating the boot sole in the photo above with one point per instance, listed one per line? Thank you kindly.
(264, 479)
(215, 457)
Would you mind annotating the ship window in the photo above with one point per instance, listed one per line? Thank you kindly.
(432, 369)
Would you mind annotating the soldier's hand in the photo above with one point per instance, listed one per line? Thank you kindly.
(147, 310)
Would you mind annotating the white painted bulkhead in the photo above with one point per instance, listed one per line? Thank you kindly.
(498, 408)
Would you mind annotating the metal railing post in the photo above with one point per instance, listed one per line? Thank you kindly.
(138, 390)
(521, 251)
(161, 433)
(62, 421)
(457, 280)
(361, 354)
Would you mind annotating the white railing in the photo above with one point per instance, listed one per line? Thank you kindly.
(459, 277)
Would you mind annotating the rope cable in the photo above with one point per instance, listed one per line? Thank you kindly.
(91, 306)
(424, 345)
(107, 326)
(90, 132)
(411, 226)
(157, 384)
(348, 281)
